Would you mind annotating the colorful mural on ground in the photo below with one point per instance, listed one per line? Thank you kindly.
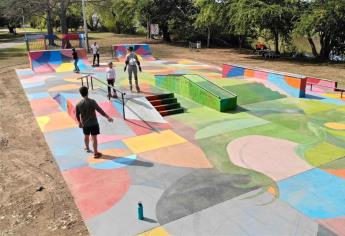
(276, 163)
(143, 51)
(45, 61)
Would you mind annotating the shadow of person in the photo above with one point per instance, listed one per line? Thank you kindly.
(126, 161)
(149, 220)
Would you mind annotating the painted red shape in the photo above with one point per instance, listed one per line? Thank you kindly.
(44, 106)
(336, 225)
(96, 191)
(146, 127)
(109, 109)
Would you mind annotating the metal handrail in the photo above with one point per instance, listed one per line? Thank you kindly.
(233, 94)
(92, 77)
(182, 75)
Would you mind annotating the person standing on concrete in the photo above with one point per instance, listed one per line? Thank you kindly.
(76, 59)
(132, 62)
(95, 52)
(87, 119)
(111, 77)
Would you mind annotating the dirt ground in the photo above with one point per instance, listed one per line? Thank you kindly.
(34, 199)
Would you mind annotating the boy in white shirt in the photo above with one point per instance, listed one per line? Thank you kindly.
(111, 76)
(95, 52)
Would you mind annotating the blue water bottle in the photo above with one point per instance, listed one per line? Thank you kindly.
(140, 211)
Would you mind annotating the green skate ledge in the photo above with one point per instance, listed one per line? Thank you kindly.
(198, 89)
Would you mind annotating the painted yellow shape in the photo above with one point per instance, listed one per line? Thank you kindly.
(64, 88)
(42, 121)
(336, 126)
(65, 67)
(159, 231)
(153, 141)
(72, 80)
(272, 191)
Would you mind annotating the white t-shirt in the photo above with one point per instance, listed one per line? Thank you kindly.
(111, 74)
(95, 49)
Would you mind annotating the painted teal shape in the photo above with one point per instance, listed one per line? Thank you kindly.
(228, 126)
(33, 96)
(316, 193)
(114, 164)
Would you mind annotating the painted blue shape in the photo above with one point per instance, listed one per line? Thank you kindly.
(33, 85)
(279, 81)
(116, 163)
(316, 193)
(25, 72)
(70, 95)
(236, 71)
(118, 107)
(61, 100)
(34, 96)
(67, 148)
(112, 145)
(181, 72)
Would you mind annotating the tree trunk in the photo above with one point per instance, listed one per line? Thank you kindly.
(276, 42)
(326, 46)
(166, 34)
(240, 41)
(313, 47)
(50, 28)
(208, 37)
(63, 21)
(148, 29)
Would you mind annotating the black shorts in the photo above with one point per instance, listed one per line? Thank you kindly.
(93, 130)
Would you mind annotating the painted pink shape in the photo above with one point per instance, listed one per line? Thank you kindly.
(273, 157)
(109, 109)
(261, 75)
(336, 225)
(96, 191)
(102, 138)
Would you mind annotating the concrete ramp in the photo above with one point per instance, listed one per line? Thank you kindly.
(198, 89)
(143, 51)
(45, 61)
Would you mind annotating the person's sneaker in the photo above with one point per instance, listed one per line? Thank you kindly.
(138, 89)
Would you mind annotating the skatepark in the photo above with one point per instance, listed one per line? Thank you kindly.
(243, 146)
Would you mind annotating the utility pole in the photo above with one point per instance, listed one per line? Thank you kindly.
(85, 26)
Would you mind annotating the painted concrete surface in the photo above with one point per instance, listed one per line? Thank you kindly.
(272, 167)
(253, 213)
(275, 158)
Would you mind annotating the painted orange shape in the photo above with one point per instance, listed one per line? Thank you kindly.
(181, 155)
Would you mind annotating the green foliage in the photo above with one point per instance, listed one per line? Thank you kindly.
(326, 19)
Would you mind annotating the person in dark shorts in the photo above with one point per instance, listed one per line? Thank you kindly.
(86, 116)
(131, 62)
(76, 59)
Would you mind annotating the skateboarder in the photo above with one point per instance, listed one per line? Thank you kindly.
(87, 119)
(132, 62)
(95, 52)
(76, 59)
(111, 76)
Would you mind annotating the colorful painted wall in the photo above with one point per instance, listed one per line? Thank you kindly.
(294, 85)
(322, 83)
(142, 50)
(57, 60)
(199, 90)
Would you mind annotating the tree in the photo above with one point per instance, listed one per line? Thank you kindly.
(211, 16)
(275, 16)
(326, 19)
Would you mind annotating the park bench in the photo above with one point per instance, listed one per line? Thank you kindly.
(266, 53)
(323, 83)
(194, 46)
